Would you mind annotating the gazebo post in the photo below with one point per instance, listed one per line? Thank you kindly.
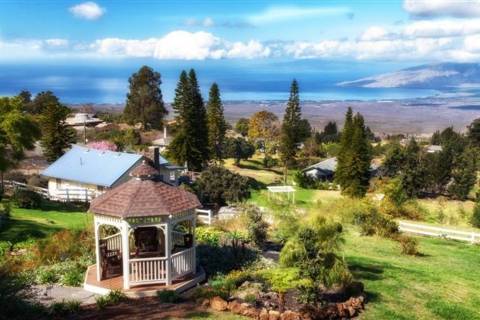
(168, 251)
(125, 255)
(97, 247)
(194, 242)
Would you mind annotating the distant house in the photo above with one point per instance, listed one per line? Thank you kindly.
(83, 119)
(433, 148)
(325, 170)
(82, 173)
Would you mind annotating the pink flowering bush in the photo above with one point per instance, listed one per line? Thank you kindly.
(102, 145)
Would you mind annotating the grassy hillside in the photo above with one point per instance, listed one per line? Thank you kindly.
(31, 224)
(442, 283)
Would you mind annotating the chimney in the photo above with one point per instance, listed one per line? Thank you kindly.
(156, 157)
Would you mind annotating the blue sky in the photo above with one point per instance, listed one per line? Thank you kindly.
(375, 30)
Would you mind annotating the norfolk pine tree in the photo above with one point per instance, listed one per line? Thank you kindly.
(56, 135)
(144, 101)
(291, 133)
(190, 143)
(216, 124)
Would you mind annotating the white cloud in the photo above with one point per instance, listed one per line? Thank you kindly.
(250, 50)
(56, 42)
(283, 13)
(181, 45)
(374, 33)
(87, 10)
(442, 28)
(432, 8)
(206, 23)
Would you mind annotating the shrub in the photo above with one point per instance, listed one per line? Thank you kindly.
(15, 176)
(257, 227)
(409, 245)
(372, 222)
(220, 186)
(208, 235)
(112, 298)
(304, 181)
(269, 162)
(27, 199)
(168, 296)
(475, 219)
(64, 308)
(314, 250)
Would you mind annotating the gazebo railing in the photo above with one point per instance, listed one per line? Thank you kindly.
(148, 270)
(114, 242)
(183, 263)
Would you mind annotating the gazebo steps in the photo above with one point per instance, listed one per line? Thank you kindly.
(103, 287)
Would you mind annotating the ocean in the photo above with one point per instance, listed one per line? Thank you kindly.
(239, 80)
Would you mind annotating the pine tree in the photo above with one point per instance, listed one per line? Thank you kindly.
(199, 118)
(355, 156)
(291, 133)
(344, 154)
(216, 124)
(464, 174)
(144, 101)
(190, 143)
(56, 135)
(413, 171)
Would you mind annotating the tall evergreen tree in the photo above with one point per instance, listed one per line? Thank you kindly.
(144, 101)
(56, 135)
(413, 171)
(355, 156)
(190, 144)
(344, 154)
(474, 132)
(464, 174)
(291, 128)
(216, 124)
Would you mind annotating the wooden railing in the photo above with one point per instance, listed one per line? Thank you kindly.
(114, 242)
(148, 270)
(441, 232)
(183, 263)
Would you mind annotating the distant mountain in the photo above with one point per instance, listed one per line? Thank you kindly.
(429, 76)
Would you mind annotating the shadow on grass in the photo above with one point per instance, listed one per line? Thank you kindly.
(48, 205)
(254, 167)
(21, 230)
(366, 272)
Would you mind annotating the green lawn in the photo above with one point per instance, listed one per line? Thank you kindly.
(441, 283)
(32, 224)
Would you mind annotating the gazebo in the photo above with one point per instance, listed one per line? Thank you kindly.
(144, 236)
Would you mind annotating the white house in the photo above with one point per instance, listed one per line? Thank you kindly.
(83, 173)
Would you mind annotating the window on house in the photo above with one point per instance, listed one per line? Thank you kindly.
(172, 176)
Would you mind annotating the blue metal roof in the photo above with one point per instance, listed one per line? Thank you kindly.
(98, 167)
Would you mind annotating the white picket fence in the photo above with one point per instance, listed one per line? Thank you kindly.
(19, 185)
(67, 195)
(441, 232)
(205, 216)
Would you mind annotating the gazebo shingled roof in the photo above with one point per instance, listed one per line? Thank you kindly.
(144, 171)
(140, 197)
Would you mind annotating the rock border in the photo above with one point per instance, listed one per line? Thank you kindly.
(342, 310)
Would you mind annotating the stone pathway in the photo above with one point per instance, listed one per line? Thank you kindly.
(48, 294)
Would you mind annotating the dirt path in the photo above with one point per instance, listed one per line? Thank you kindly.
(151, 308)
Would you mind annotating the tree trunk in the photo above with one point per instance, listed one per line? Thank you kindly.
(281, 301)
